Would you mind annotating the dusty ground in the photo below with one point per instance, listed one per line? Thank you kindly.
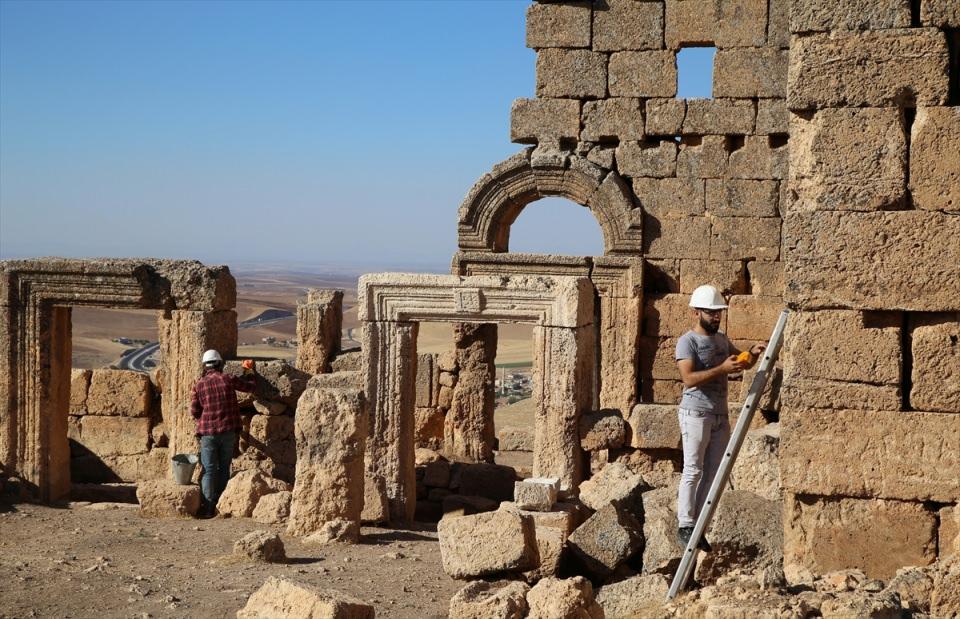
(81, 562)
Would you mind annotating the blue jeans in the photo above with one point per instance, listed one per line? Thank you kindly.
(216, 452)
(705, 437)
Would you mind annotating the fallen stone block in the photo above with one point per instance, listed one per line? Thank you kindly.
(550, 544)
(264, 546)
(552, 598)
(661, 552)
(604, 429)
(273, 508)
(861, 604)
(914, 586)
(483, 600)
(493, 481)
(637, 596)
(605, 540)
(536, 493)
(334, 531)
(746, 533)
(564, 516)
(463, 505)
(488, 543)
(280, 598)
(945, 598)
(654, 426)
(163, 498)
(437, 474)
(615, 484)
(515, 439)
(376, 507)
(244, 491)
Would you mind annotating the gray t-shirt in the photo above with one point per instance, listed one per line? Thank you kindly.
(707, 351)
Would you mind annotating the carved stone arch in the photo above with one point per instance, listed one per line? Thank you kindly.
(498, 197)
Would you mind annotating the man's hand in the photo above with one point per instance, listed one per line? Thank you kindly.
(732, 365)
(757, 349)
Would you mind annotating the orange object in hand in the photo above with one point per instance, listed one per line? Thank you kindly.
(247, 364)
(745, 357)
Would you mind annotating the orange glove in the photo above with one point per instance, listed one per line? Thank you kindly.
(248, 364)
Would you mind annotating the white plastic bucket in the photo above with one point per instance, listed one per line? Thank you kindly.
(183, 466)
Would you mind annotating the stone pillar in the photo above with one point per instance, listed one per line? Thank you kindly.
(55, 404)
(390, 350)
(331, 430)
(619, 340)
(319, 322)
(563, 372)
(468, 428)
(184, 336)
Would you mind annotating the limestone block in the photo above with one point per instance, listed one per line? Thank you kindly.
(331, 429)
(934, 159)
(653, 159)
(940, 13)
(885, 454)
(79, 384)
(487, 543)
(823, 534)
(818, 393)
(342, 379)
(349, 361)
(492, 481)
(628, 25)
(670, 198)
(746, 533)
(564, 516)
(550, 545)
(273, 508)
(515, 439)
(750, 72)
(436, 474)
(703, 157)
(752, 318)
(913, 585)
(745, 238)
(620, 118)
(571, 597)
(427, 378)
(615, 484)
(319, 322)
(270, 428)
(643, 74)
(455, 505)
(445, 398)
(654, 426)
(822, 16)
(866, 69)
(536, 493)
(428, 427)
(849, 159)
(662, 391)
(163, 498)
(119, 392)
(244, 491)
(637, 596)
(948, 535)
(665, 116)
(729, 276)
(558, 25)
(660, 551)
(480, 599)
(742, 198)
(743, 23)
(772, 116)
(719, 116)
(769, 399)
(844, 345)
(861, 604)
(766, 278)
(936, 363)
(533, 120)
(468, 425)
(676, 238)
(657, 360)
(376, 509)
(778, 23)
(945, 598)
(280, 598)
(116, 436)
(265, 546)
(761, 157)
(661, 276)
(74, 428)
(691, 22)
(571, 73)
(603, 429)
(667, 315)
(605, 540)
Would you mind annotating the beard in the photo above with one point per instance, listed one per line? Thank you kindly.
(709, 327)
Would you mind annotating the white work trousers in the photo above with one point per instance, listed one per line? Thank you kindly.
(705, 436)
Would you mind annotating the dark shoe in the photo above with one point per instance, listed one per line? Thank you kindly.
(704, 545)
(683, 537)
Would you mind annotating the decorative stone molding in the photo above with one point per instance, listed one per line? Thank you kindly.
(391, 306)
(496, 199)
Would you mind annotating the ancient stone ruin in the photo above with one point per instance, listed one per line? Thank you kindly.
(823, 175)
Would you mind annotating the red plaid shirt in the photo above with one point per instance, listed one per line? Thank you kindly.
(214, 404)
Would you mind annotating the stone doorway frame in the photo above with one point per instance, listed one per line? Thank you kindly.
(36, 296)
(390, 308)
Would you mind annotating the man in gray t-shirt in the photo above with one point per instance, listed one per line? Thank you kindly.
(705, 359)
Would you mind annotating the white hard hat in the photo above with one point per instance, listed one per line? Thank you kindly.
(211, 356)
(707, 297)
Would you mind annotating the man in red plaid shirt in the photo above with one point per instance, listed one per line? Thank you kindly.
(214, 406)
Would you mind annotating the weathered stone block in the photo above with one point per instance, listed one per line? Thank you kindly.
(746, 533)
(665, 116)
(884, 454)
(940, 13)
(728, 276)
(657, 359)
(265, 546)
(824, 534)
(843, 345)
(654, 426)
(536, 493)
(428, 427)
(743, 23)
(643, 74)
(376, 508)
(273, 508)
(603, 429)
(849, 159)
(244, 491)
(627, 25)
(935, 159)
(564, 516)
(487, 543)
(571, 73)
(660, 551)
(271, 428)
(480, 599)
(666, 315)
(742, 198)
(690, 22)
(571, 597)
(455, 505)
(515, 439)
(662, 391)
(558, 25)
(637, 596)
(772, 117)
(948, 535)
(616, 483)
(436, 474)
(653, 159)
(533, 120)
(493, 481)
(670, 198)
(664, 237)
(719, 116)
(703, 157)
(163, 498)
(550, 546)
(766, 278)
(116, 436)
(936, 363)
(280, 598)
(760, 157)
(319, 323)
(818, 393)
(79, 384)
(745, 238)
(750, 72)
(752, 318)
(468, 425)
(619, 118)
(866, 69)
(119, 392)
(757, 468)
(822, 16)
(606, 540)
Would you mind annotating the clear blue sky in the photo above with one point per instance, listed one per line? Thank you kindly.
(325, 132)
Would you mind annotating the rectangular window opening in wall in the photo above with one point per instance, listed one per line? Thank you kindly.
(695, 72)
